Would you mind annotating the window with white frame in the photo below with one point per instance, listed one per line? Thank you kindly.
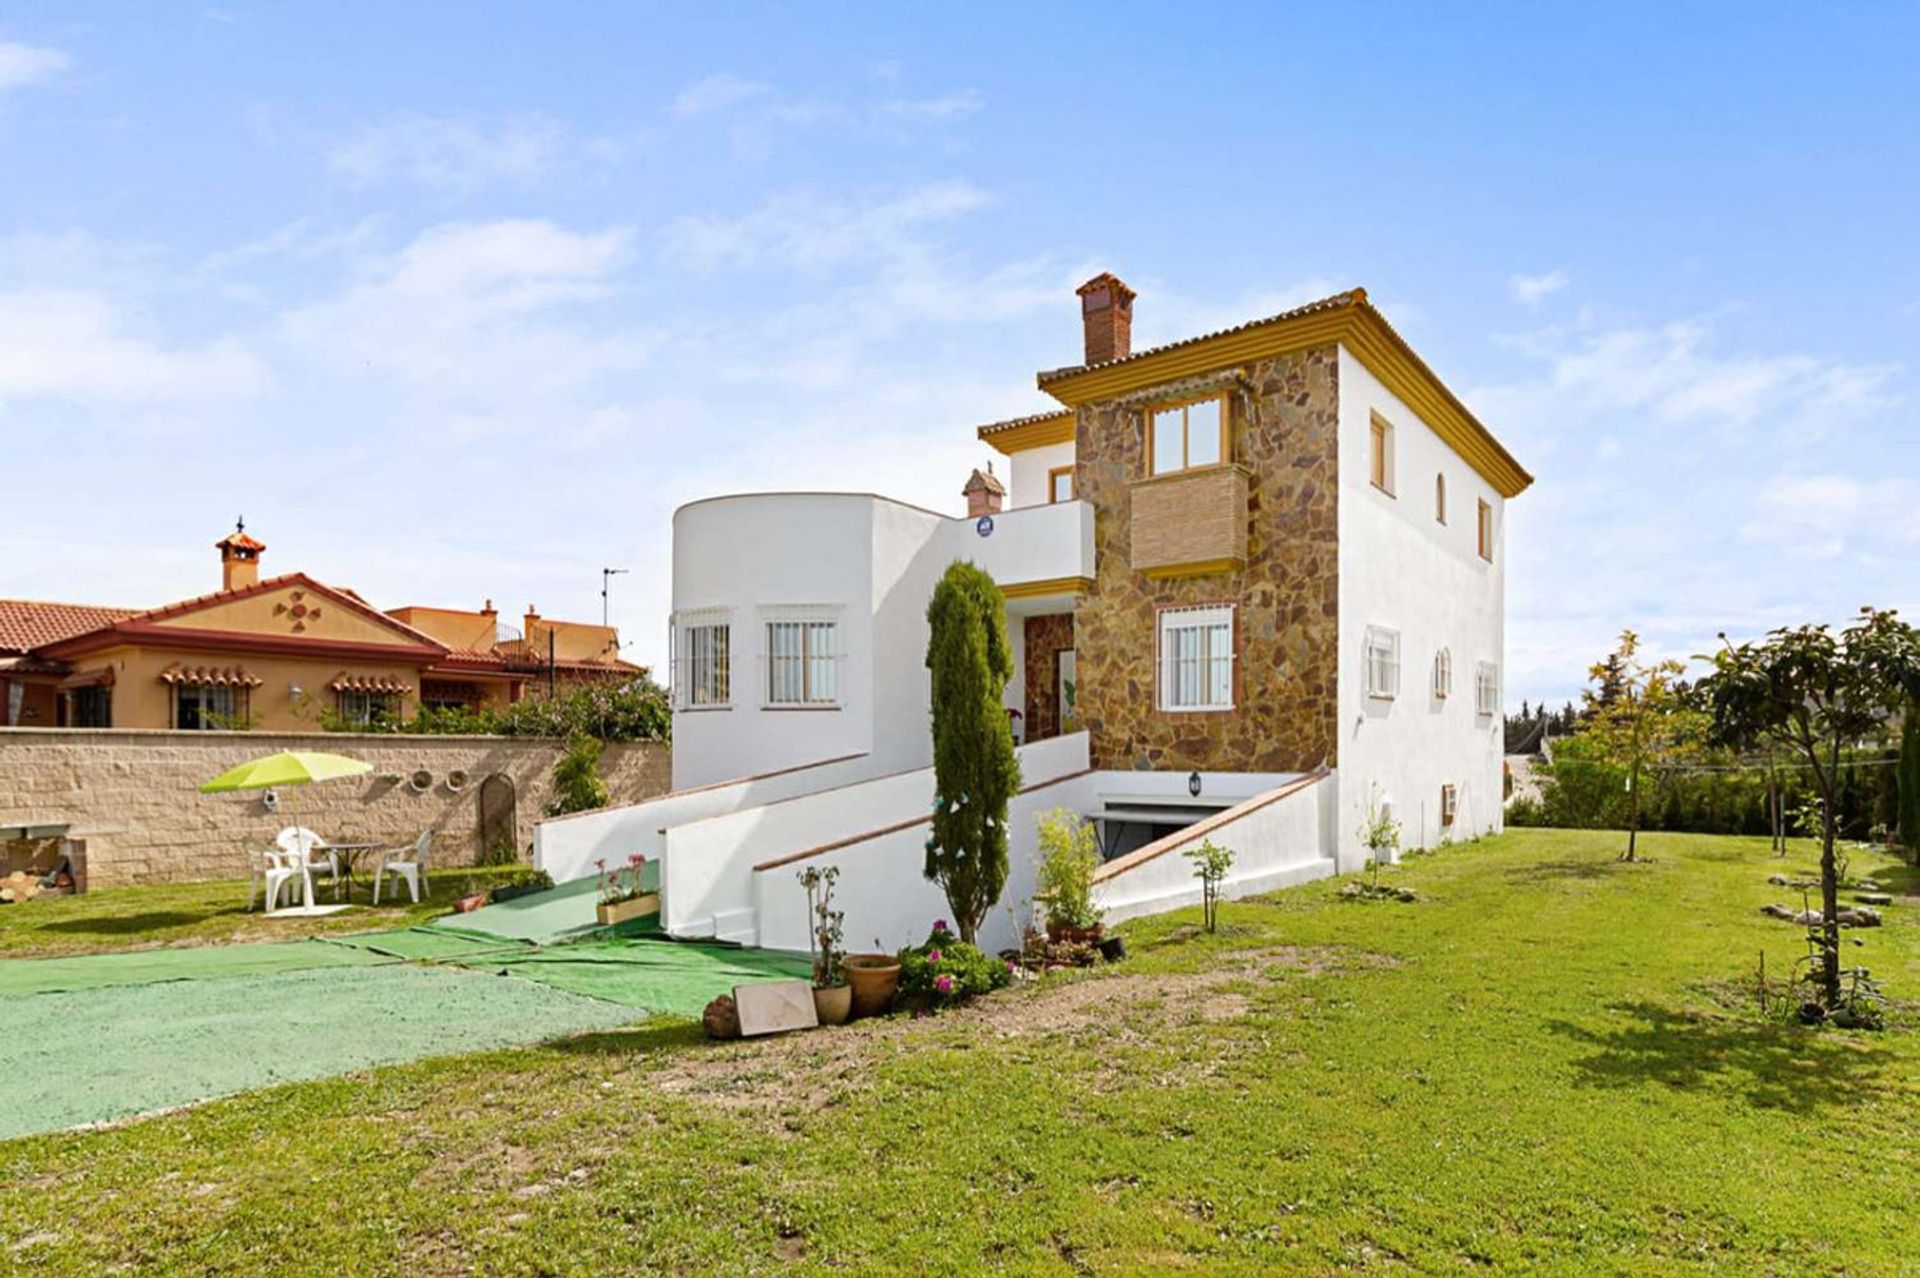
(1442, 674)
(802, 656)
(1383, 663)
(1196, 658)
(703, 666)
(1486, 688)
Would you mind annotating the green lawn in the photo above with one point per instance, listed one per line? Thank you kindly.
(1542, 1064)
(213, 913)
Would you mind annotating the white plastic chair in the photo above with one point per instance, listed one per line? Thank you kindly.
(273, 869)
(410, 865)
(298, 841)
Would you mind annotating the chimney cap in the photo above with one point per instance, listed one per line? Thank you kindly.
(984, 481)
(239, 540)
(1105, 289)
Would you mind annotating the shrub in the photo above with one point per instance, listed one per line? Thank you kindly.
(634, 711)
(1069, 854)
(947, 970)
(577, 786)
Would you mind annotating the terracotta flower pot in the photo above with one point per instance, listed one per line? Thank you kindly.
(1061, 935)
(873, 979)
(834, 1003)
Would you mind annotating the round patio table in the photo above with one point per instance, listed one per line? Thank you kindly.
(349, 856)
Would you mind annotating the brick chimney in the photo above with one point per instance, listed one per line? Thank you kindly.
(239, 558)
(1106, 311)
(983, 492)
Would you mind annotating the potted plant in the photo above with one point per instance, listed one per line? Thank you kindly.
(621, 895)
(1069, 854)
(874, 979)
(832, 996)
(944, 971)
(521, 883)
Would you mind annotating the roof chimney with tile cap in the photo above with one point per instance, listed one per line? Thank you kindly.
(239, 558)
(983, 492)
(1106, 310)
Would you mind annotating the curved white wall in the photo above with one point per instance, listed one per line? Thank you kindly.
(874, 563)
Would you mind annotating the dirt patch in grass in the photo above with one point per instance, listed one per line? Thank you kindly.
(788, 1077)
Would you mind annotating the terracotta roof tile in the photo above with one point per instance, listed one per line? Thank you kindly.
(992, 428)
(1352, 297)
(26, 624)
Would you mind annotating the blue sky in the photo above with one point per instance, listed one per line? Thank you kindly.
(463, 309)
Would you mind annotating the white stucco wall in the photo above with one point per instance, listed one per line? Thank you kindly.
(1027, 473)
(567, 846)
(1275, 844)
(708, 878)
(1402, 570)
(873, 562)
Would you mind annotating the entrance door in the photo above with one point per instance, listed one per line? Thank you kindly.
(499, 836)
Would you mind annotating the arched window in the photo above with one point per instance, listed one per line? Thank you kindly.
(1442, 674)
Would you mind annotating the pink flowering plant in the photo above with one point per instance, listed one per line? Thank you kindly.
(945, 970)
(621, 882)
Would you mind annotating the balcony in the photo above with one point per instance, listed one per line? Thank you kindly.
(1035, 551)
(1190, 523)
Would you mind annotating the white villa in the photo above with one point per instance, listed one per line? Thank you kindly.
(1255, 585)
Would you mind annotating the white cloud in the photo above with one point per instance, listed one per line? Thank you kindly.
(74, 347)
(22, 65)
(1534, 289)
(1826, 516)
(807, 233)
(716, 93)
(950, 106)
(448, 152)
(486, 320)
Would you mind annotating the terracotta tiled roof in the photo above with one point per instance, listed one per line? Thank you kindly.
(992, 428)
(984, 479)
(218, 676)
(26, 624)
(1352, 297)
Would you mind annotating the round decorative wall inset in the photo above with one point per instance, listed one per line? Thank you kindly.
(421, 781)
(457, 780)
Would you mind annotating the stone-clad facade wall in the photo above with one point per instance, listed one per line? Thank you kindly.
(1046, 637)
(132, 795)
(1285, 432)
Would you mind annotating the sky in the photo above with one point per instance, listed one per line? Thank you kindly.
(459, 303)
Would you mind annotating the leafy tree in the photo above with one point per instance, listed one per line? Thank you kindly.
(1636, 721)
(1814, 694)
(974, 769)
(1910, 781)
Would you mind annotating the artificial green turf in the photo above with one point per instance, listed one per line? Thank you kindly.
(111, 1052)
(1545, 1064)
(21, 977)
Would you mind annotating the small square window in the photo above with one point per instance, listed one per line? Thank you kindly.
(1196, 659)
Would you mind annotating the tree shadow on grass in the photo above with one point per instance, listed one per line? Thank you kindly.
(1783, 1067)
(120, 925)
(1550, 871)
(659, 1034)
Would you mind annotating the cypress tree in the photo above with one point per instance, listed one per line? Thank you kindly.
(974, 769)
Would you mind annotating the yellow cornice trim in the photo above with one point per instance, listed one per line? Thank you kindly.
(1050, 586)
(1199, 568)
(1057, 429)
(1363, 331)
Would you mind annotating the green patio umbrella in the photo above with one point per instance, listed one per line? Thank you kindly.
(289, 767)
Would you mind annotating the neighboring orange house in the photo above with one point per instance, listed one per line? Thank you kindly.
(278, 654)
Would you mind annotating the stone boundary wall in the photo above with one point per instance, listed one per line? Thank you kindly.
(132, 795)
